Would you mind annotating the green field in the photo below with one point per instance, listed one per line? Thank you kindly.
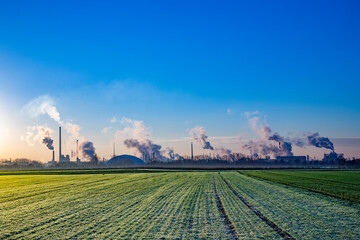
(122, 204)
(340, 184)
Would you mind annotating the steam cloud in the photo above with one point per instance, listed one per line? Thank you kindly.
(263, 147)
(137, 137)
(46, 105)
(88, 151)
(320, 142)
(223, 152)
(173, 156)
(147, 148)
(48, 142)
(199, 134)
(40, 134)
(284, 147)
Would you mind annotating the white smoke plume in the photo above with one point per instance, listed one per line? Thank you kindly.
(137, 137)
(149, 150)
(284, 147)
(41, 134)
(45, 105)
(172, 155)
(264, 145)
(199, 135)
(225, 154)
(133, 129)
(88, 151)
(42, 105)
(264, 148)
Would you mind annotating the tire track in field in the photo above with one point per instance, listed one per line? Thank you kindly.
(270, 223)
(230, 229)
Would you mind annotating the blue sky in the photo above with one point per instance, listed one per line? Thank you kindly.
(180, 64)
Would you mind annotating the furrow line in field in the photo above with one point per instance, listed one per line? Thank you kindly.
(317, 178)
(59, 188)
(56, 219)
(230, 229)
(114, 215)
(310, 189)
(280, 231)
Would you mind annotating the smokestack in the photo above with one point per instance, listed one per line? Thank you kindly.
(192, 152)
(77, 150)
(114, 149)
(59, 144)
(53, 159)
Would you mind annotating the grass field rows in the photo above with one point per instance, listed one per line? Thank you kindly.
(271, 224)
(339, 184)
(172, 205)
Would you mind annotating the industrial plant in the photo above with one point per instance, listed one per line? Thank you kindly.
(262, 154)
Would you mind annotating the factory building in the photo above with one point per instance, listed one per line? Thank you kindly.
(333, 157)
(291, 159)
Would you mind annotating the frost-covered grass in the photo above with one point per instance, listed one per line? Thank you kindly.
(144, 205)
(246, 223)
(164, 205)
(340, 184)
(304, 214)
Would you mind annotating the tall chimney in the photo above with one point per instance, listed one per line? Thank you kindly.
(53, 159)
(192, 152)
(59, 144)
(77, 150)
(114, 149)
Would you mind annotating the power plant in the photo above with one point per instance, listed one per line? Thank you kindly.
(151, 154)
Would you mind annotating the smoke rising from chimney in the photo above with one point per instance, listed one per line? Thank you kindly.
(48, 142)
(173, 156)
(88, 151)
(262, 146)
(46, 105)
(40, 134)
(42, 105)
(320, 142)
(199, 135)
(149, 149)
(221, 152)
(285, 145)
(137, 137)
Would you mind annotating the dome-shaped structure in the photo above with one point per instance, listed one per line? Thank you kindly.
(124, 160)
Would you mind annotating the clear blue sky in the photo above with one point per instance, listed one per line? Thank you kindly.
(180, 64)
